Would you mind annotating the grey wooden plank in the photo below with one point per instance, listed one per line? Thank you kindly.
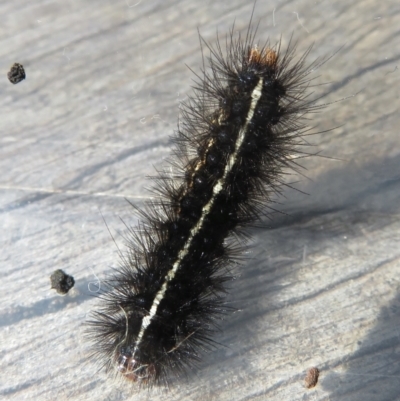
(104, 82)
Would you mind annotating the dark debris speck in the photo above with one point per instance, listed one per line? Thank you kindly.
(16, 73)
(311, 379)
(61, 281)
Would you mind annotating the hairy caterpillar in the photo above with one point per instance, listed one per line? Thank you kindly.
(237, 135)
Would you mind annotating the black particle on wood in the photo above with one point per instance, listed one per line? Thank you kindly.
(61, 282)
(16, 73)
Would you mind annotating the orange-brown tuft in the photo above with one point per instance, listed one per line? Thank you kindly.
(264, 56)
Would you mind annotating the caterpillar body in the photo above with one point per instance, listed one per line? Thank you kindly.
(236, 138)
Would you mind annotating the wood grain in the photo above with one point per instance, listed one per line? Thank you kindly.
(101, 97)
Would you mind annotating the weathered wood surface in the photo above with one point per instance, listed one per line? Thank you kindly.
(104, 82)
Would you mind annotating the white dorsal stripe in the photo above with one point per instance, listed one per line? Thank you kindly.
(255, 97)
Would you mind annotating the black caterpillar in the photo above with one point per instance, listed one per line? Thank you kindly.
(238, 134)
